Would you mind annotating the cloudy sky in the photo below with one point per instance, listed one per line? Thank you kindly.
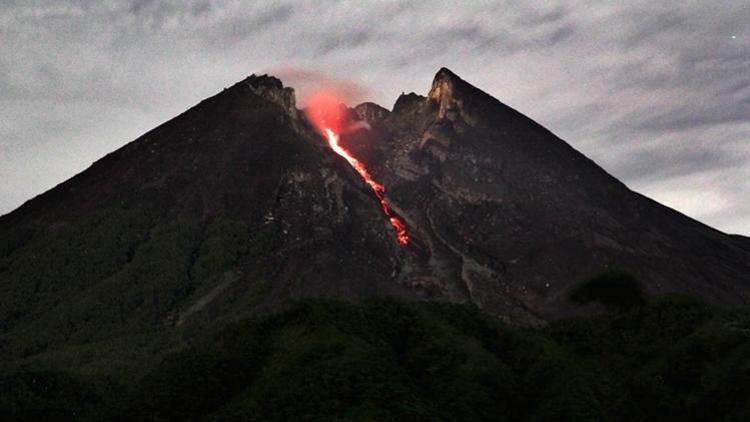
(658, 93)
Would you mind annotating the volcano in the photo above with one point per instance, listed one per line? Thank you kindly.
(240, 203)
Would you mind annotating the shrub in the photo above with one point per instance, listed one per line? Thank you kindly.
(612, 287)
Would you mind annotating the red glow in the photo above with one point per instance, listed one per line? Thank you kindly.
(324, 110)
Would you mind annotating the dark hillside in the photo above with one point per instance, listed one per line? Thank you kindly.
(674, 359)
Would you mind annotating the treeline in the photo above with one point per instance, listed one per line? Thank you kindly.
(672, 358)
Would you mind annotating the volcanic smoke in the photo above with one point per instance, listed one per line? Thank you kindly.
(324, 109)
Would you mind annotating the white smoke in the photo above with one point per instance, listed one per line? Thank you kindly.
(306, 82)
(357, 126)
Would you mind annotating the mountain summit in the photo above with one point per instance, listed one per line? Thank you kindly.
(239, 204)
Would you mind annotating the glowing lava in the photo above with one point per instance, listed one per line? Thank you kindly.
(324, 110)
(377, 188)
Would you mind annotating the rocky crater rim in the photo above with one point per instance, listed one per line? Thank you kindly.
(443, 89)
(272, 89)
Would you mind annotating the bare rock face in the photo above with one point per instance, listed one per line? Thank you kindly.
(444, 94)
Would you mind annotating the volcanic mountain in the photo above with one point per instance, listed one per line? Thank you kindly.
(239, 204)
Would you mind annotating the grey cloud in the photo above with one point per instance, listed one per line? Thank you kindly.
(646, 26)
(157, 12)
(332, 41)
(241, 26)
(535, 17)
(696, 115)
(668, 161)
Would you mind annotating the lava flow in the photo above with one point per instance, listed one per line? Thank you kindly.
(325, 111)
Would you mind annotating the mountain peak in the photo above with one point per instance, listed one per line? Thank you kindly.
(443, 84)
(450, 92)
(264, 80)
(272, 89)
(461, 102)
(406, 102)
(371, 112)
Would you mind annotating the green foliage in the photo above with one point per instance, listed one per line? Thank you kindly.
(130, 300)
(612, 287)
(71, 258)
(673, 359)
(36, 394)
(225, 241)
(147, 270)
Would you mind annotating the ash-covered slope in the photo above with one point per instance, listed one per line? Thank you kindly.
(511, 212)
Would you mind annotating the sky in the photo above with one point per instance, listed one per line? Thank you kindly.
(657, 93)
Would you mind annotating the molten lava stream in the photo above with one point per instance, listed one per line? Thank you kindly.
(325, 112)
(401, 235)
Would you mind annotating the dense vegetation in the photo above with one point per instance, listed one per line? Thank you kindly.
(671, 359)
(118, 274)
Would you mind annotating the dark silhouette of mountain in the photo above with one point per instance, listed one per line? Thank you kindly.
(238, 204)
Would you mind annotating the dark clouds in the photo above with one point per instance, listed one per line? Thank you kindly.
(658, 93)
